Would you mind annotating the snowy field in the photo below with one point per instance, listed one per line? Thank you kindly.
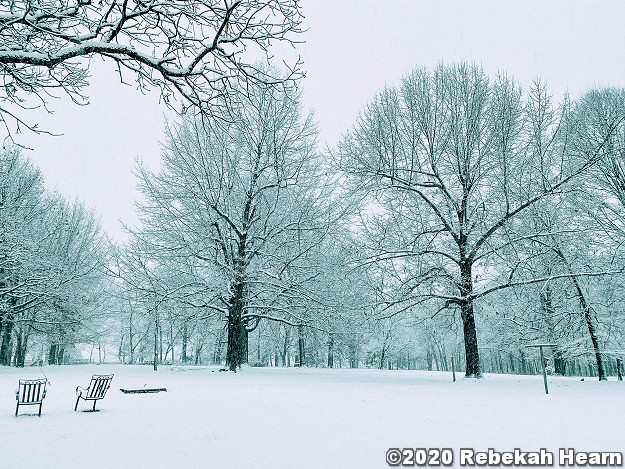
(297, 418)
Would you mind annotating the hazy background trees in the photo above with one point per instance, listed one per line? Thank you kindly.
(459, 220)
(464, 207)
(52, 267)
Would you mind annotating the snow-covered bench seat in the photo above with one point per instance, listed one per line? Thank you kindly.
(30, 392)
(96, 390)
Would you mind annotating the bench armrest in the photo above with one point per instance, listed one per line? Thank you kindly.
(80, 390)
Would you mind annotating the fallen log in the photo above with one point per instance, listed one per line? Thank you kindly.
(142, 390)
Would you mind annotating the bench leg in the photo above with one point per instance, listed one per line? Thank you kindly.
(17, 408)
(76, 406)
(94, 401)
(40, 404)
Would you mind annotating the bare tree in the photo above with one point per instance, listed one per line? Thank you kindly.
(606, 183)
(21, 207)
(52, 260)
(195, 48)
(240, 198)
(571, 242)
(458, 160)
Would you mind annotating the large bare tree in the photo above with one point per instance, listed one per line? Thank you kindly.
(239, 198)
(453, 160)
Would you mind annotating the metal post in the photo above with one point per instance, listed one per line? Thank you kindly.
(542, 362)
(453, 368)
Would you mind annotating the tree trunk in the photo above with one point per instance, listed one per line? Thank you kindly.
(300, 343)
(587, 312)
(559, 364)
(236, 354)
(20, 349)
(286, 346)
(7, 336)
(331, 351)
(130, 341)
(155, 361)
(470, 340)
(198, 352)
(595, 342)
(157, 327)
(468, 320)
(120, 352)
(18, 361)
(52, 354)
(185, 339)
(523, 362)
(160, 344)
(218, 346)
(353, 356)
(435, 357)
(237, 350)
(22, 361)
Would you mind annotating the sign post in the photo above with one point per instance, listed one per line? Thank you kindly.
(453, 368)
(542, 361)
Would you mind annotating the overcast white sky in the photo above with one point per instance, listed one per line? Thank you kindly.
(353, 48)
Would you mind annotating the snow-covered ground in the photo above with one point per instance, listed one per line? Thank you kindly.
(297, 418)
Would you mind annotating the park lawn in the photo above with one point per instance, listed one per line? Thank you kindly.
(297, 418)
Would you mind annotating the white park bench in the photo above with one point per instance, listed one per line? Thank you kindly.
(30, 392)
(96, 390)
